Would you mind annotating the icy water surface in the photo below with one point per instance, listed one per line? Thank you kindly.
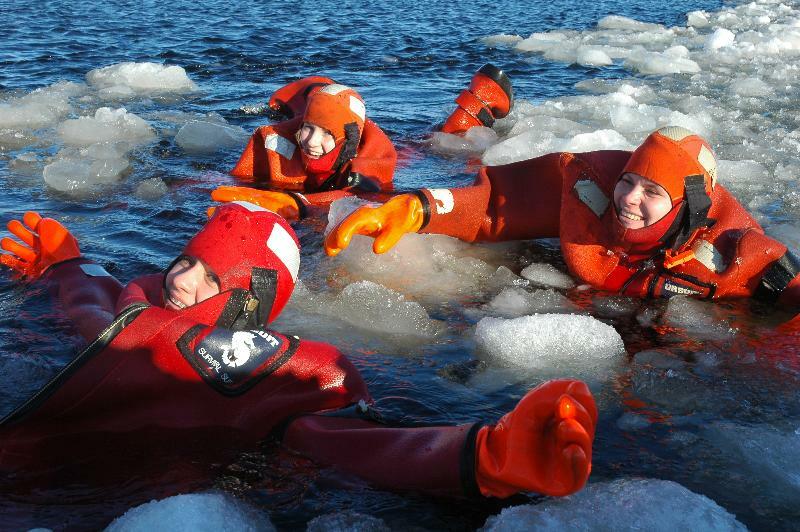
(120, 118)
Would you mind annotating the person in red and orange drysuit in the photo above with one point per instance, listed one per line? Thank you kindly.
(651, 223)
(328, 149)
(189, 351)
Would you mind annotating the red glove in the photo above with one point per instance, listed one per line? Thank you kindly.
(386, 224)
(46, 242)
(278, 202)
(543, 445)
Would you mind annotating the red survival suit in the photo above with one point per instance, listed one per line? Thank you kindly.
(214, 367)
(707, 246)
(362, 162)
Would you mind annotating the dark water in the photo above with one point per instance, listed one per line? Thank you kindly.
(408, 60)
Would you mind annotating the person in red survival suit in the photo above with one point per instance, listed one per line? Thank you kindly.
(651, 223)
(189, 349)
(334, 150)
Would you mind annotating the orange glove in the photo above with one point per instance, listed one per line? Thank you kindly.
(386, 224)
(278, 202)
(543, 445)
(46, 242)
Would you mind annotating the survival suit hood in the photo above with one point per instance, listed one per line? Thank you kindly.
(684, 165)
(256, 255)
(340, 110)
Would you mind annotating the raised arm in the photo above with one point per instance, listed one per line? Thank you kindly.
(85, 291)
(515, 201)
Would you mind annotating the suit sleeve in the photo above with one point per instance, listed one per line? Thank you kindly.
(376, 160)
(510, 202)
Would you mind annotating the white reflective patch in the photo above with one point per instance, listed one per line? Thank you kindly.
(334, 88)
(252, 207)
(358, 108)
(443, 199)
(590, 194)
(675, 133)
(94, 270)
(283, 246)
(707, 255)
(279, 145)
(709, 162)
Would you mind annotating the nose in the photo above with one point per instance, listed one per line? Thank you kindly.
(187, 280)
(315, 139)
(633, 196)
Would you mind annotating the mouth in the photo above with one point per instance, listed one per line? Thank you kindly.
(175, 302)
(628, 216)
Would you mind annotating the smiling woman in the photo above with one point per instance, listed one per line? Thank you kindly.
(189, 281)
(639, 201)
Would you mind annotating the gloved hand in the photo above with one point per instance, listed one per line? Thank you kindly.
(386, 224)
(543, 445)
(46, 242)
(277, 202)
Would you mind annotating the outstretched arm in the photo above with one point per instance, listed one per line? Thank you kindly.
(49, 252)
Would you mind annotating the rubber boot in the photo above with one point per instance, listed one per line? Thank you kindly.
(488, 98)
(290, 100)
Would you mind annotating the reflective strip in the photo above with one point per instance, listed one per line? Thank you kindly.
(280, 145)
(281, 243)
(94, 270)
(252, 207)
(334, 88)
(591, 194)
(443, 199)
(708, 256)
(709, 162)
(675, 133)
(358, 108)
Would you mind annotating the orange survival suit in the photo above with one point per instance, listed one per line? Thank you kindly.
(707, 246)
(362, 162)
(214, 367)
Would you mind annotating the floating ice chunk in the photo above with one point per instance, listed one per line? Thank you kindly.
(542, 42)
(107, 125)
(547, 275)
(720, 39)
(602, 139)
(13, 139)
(209, 136)
(531, 143)
(151, 189)
(750, 87)
(743, 172)
(475, 140)
(501, 39)
(195, 512)
(41, 108)
(770, 455)
(513, 302)
(697, 19)
(347, 521)
(75, 175)
(577, 345)
(632, 120)
(700, 318)
(674, 60)
(592, 56)
(141, 78)
(370, 307)
(654, 505)
(617, 22)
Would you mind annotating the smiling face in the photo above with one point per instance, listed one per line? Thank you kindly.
(639, 201)
(188, 282)
(315, 141)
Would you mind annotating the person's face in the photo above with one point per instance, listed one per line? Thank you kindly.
(639, 201)
(188, 282)
(315, 141)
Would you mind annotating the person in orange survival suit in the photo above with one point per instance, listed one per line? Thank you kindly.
(649, 223)
(190, 349)
(313, 161)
